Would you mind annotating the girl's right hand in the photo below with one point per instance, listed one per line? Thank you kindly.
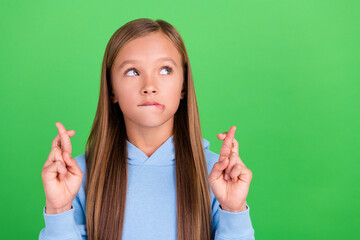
(61, 175)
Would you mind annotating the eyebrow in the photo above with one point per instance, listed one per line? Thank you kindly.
(134, 61)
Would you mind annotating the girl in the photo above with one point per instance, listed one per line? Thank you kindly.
(146, 170)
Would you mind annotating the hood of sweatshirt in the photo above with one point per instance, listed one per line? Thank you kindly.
(163, 156)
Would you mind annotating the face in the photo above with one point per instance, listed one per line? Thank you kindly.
(147, 81)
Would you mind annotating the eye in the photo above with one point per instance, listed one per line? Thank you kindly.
(167, 68)
(131, 70)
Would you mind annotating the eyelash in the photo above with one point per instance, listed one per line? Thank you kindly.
(168, 68)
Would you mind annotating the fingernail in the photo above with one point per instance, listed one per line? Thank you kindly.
(227, 176)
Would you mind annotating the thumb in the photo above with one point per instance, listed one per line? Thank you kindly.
(218, 168)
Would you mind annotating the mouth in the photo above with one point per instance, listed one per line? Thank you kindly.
(157, 105)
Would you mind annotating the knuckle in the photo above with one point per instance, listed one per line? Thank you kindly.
(232, 161)
(43, 171)
(56, 162)
(56, 139)
(222, 158)
(55, 148)
(226, 145)
(59, 163)
(238, 167)
(56, 153)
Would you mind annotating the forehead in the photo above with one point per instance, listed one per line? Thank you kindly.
(149, 48)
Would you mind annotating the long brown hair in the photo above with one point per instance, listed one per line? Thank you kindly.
(106, 152)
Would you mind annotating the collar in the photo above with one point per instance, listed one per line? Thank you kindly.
(163, 156)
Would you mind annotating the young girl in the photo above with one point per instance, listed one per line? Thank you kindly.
(146, 173)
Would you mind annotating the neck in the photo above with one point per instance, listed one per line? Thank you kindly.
(148, 139)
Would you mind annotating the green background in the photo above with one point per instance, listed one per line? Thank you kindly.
(286, 73)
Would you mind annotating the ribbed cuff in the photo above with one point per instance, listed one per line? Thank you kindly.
(60, 225)
(234, 224)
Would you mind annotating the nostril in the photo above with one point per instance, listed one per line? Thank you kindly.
(154, 91)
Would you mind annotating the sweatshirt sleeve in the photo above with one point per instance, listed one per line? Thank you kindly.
(232, 225)
(66, 225)
(227, 225)
(60, 226)
(71, 224)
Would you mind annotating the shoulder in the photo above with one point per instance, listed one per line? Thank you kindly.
(211, 157)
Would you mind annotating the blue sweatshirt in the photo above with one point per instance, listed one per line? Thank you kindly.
(150, 211)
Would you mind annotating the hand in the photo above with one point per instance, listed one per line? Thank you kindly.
(229, 178)
(61, 175)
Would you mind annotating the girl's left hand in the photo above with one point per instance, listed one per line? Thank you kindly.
(231, 192)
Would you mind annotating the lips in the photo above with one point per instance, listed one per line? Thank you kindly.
(152, 104)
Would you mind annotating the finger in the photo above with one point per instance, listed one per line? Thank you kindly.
(218, 169)
(235, 148)
(62, 171)
(57, 168)
(57, 143)
(234, 159)
(64, 138)
(227, 144)
(221, 136)
(242, 173)
(71, 133)
(241, 162)
(57, 139)
(55, 154)
(235, 172)
(71, 164)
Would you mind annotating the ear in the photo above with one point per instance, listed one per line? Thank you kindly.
(113, 98)
(182, 94)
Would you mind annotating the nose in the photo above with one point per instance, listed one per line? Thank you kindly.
(149, 86)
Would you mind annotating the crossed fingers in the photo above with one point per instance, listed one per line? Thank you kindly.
(60, 144)
(230, 150)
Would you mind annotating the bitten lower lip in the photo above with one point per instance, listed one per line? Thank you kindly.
(159, 106)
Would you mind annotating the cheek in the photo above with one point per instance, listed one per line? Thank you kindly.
(173, 97)
(126, 99)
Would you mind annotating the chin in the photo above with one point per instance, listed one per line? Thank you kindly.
(148, 121)
(151, 124)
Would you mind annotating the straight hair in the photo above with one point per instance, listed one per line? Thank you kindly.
(106, 150)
